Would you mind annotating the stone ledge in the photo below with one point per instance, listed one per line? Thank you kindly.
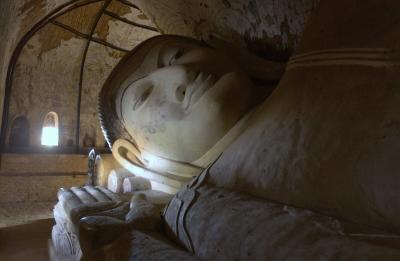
(54, 163)
(52, 174)
(31, 188)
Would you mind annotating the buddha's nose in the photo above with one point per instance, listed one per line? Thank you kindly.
(185, 73)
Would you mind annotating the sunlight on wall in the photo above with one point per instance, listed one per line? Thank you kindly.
(50, 136)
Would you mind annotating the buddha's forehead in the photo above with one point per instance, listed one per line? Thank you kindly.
(148, 58)
(164, 48)
(179, 42)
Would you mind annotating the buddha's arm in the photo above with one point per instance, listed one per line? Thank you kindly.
(101, 229)
(98, 231)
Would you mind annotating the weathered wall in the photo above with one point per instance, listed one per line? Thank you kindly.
(47, 73)
(44, 82)
(35, 188)
(16, 18)
(270, 28)
(27, 163)
(37, 177)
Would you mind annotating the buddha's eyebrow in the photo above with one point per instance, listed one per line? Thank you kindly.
(160, 56)
(123, 94)
(159, 59)
(144, 76)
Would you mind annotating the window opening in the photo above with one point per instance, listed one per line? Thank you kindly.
(50, 130)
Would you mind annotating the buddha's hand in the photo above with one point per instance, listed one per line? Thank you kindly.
(95, 232)
(143, 215)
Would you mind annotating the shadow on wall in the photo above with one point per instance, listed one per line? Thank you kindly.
(19, 136)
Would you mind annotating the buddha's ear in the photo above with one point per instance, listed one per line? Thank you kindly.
(129, 157)
(257, 68)
(126, 153)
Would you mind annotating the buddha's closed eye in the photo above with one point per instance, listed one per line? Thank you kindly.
(176, 55)
(142, 98)
(181, 92)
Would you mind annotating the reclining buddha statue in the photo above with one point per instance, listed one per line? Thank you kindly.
(168, 110)
(312, 175)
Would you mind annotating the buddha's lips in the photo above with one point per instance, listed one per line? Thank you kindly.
(200, 85)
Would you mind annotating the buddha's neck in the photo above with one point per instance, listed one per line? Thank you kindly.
(211, 155)
(194, 168)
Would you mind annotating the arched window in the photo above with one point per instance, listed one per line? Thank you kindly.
(50, 130)
(19, 136)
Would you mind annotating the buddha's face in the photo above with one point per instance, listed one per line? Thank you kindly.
(180, 110)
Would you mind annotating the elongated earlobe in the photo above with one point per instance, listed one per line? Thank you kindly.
(125, 152)
(129, 157)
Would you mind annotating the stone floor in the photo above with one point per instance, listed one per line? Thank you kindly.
(25, 230)
(26, 242)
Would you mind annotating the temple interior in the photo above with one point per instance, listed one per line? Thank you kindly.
(199, 130)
